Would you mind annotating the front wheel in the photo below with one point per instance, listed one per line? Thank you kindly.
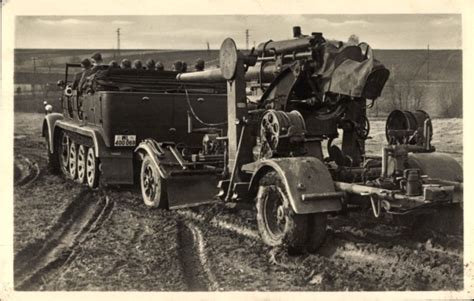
(63, 153)
(53, 159)
(279, 225)
(152, 184)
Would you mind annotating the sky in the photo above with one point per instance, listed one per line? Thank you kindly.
(388, 31)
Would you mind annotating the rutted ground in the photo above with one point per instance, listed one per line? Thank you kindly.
(360, 253)
(41, 258)
(69, 238)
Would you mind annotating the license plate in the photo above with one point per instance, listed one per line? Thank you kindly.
(125, 140)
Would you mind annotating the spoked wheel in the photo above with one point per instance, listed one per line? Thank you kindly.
(279, 225)
(63, 153)
(73, 160)
(92, 168)
(81, 164)
(152, 184)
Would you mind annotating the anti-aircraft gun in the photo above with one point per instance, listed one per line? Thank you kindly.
(285, 100)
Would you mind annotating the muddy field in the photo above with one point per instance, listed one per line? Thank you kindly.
(70, 238)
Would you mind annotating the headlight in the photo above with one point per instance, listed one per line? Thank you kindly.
(68, 91)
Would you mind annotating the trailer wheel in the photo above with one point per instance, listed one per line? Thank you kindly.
(63, 153)
(317, 223)
(152, 184)
(81, 164)
(92, 168)
(53, 159)
(73, 160)
(278, 224)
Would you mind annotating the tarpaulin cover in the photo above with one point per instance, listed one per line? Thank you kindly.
(351, 70)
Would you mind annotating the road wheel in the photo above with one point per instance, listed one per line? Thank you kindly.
(152, 184)
(53, 160)
(63, 153)
(278, 224)
(73, 160)
(81, 164)
(92, 168)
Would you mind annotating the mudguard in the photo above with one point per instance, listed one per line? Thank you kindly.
(49, 123)
(151, 147)
(437, 165)
(308, 183)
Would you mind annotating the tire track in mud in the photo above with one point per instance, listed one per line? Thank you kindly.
(403, 240)
(359, 254)
(26, 170)
(197, 273)
(355, 256)
(351, 234)
(42, 258)
(221, 224)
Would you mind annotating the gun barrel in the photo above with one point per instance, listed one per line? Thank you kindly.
(212, 75)
(266, 73)
(286, 46)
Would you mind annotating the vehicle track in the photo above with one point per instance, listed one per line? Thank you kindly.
(356, 251)
(38, 261)
(221, 224)
(197, 274)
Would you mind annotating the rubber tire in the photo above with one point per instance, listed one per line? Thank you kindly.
(81, 163)
(92, 176)
(294, 235)
(64, 167)
(159, 199)
(73, 160)
(53, 159)
(316, 231)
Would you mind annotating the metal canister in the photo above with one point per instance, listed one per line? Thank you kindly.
(412, 182)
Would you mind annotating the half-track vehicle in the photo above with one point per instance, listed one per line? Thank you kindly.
(293, 142)
(99, 128)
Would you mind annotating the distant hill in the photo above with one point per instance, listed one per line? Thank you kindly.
(54, 60)
(434, 77)
(443, 64)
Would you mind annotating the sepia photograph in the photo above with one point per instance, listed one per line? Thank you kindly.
(237, 152)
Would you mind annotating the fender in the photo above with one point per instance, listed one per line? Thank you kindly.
(49, 123)
(307, 181)
(436, 165)
(99, 144)
(440, 166)
(151, 147)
